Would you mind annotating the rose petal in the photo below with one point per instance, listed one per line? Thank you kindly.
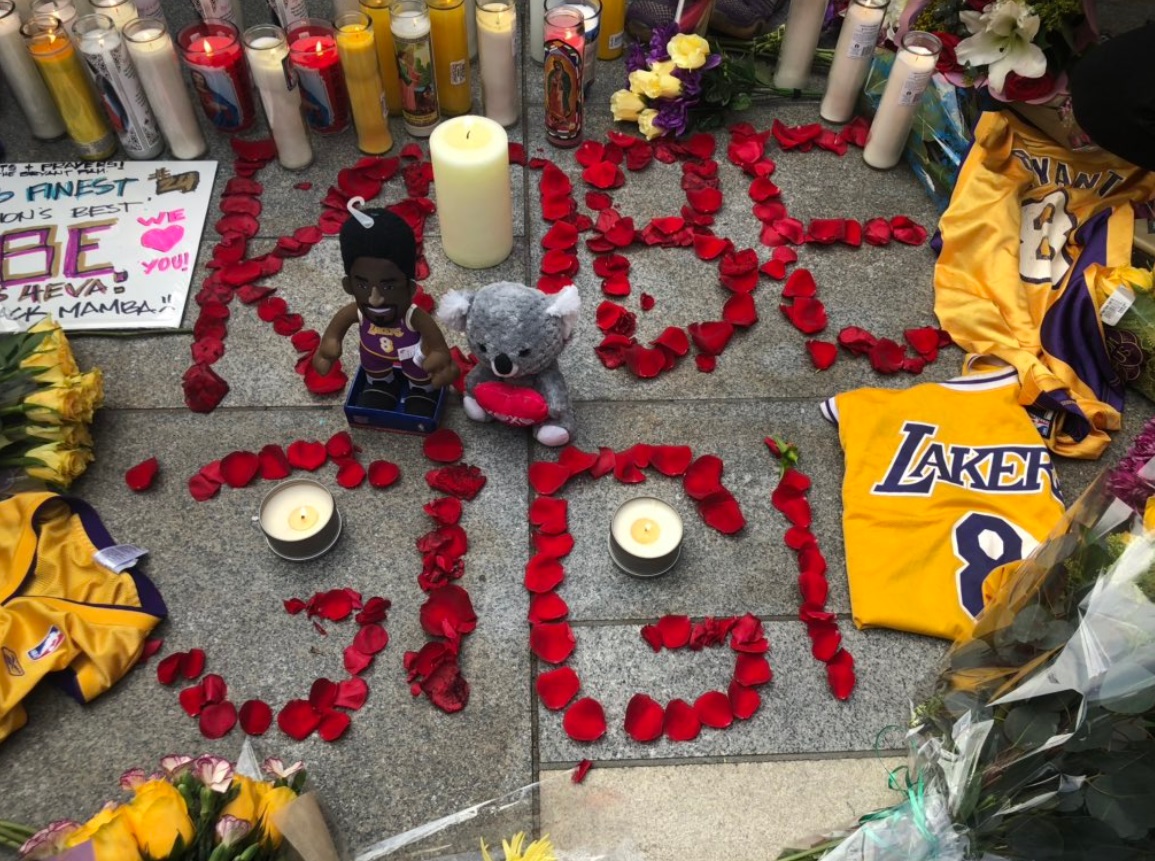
(169, 667)
(752, 670)
(461, 480)
(744, 701)
(140, 477)
(555, 688)
(907, 231)
(356, 661)
(840, 675)
(822, 353)
(711, 337)
(256, 717)
(740, 310)
(799, 284)
(923, 341)
(192, 663)
(682, 722)
(383, 473)
(674, 631)
(449, 606)
(543, 573)
(333, 725)
(674, 340)
(445, 510)
(703, 477)
(708, 200)
(585, 720)
(375, 610)
(310, 456)
(856, 340)
(645, 362)
(583, 768)
(371, 639)
(553, 642)
(713, 709)
(720, 511)
(322, 694)
(806, 314)
(645, 718)
(886, 356)
(607, 458)
(192, 700)
(549, 515)
(671, 460)
(339, 445)
(218, 719)
(548, 478)
(547, 607)
(351, 693)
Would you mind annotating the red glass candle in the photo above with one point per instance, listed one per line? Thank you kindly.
(313, 53)
(215, 58)
(564, 55)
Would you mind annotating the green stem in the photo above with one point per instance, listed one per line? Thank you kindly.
(16, 829)
(813, 852)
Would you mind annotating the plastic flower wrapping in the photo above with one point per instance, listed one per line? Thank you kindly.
(46, 405)
(1035, 742)
(194, 809)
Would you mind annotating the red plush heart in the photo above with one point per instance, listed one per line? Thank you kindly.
(517, 406)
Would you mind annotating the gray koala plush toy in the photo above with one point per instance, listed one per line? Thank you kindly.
(516, 333)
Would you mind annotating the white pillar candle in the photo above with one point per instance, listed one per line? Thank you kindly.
(267, 51)
(64, 10)
(156, 61)
(120, 11)
(536, 33)
(287, 12)
(913, 66)
(222, 10)
(296, 510)
(645, 536)
(25, 82)
(470, 158)
(852, 58)
(497, 55)
(118, 86)
(803, 27)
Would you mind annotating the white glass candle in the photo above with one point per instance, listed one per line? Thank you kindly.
(267, 51)
(852, 58)
(288, 12)
(221, 10)
(25, 82)
(120, 11)
(471, 27)
(803, 27)
(645, 536)
(470, 158)
(64, 10)
(296, 510)
(411, 40)
(156, 61)
(536, 34)
(497, 56)
(913, 66)
(119, 86)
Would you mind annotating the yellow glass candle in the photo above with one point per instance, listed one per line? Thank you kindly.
(64, 76)
(379, 12)
(450, 55)
(358, 53)
(612, 34)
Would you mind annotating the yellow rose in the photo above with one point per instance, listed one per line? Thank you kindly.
(247, 804)
(54, 351)
(110, 835)
(69, 434)
(159, 816)
(688, 51)
(663, 68)
(639, 81)
(59, 465)
(655, 86)
(625, 105)
(274, 800)
(646, 124)
(73, 400)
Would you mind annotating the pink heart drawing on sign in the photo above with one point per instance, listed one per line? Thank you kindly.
(162, 239)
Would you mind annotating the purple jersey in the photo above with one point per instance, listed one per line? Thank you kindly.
(384, 348)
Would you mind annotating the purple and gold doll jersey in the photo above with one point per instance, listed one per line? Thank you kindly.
(384, 348)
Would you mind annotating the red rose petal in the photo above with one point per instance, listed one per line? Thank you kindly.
(840, 675)
(169, 667)
(645, 362)
(711, 247)
(239, 468)
(192, 663)
(796, 538)
(548, 478)
(807, 315)
(448, 606)
(553, 642)
(707, 200)
(740, 310)
(907, 231)
(549, 515)
(646, 301)
(703, 477)
(207, 350)
(325, 384)
(799, 284)
(585, 720)
(675, 340)
(350, 474)
(877, 231)
(192, 700)
(256, 717)
(752, 670)
(711, 337)
(674, 630)
(682, 722)
(218, 719)
(825, 640)
(543, 573)
(720, 511)
(310, 456)
(273, 463)
(645, 718)
(151, 646)
(214, 687)
(371, 639)
(375, 610)
(351, 693)
(886, 356)
(607, 459)
(671, 460)
(461, 480)
(583, 768)
(140, 477)
(604, 175)
(856, 340)
(339, 445)
(914, 364)
(445, 510)
(322, 695)
(748, 636)
(203, 389)
(626, 470)
(547, 607)
(923, 341)
(562, 236)
(713, 709)
(356, 661)
(298, 719)
(333, 725)
(598, 200)
(822, 353)
(744, 701)
(383, 473)
(556, 688)
(575, 460)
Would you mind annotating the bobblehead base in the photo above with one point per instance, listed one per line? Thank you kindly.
(396, 421)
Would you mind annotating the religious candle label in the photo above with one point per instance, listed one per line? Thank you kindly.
(226, 99)
(563, 91)
(457, 71)
(221, 9)
(863, 39)
(123, 99)
(324, 97)
(913, 87)
(101, 246)
(288, 12)
(418, 92)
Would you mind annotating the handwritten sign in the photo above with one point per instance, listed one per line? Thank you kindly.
(109, 245)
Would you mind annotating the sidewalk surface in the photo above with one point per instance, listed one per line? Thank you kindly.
(803, 763)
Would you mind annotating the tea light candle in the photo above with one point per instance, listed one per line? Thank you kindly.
(470, 157)
(497, 56)
(803, 27)
(612, 33)
(212, 52)
(219, 10)
(152, 51)
(119, 86)
(52, 51)
(564, 61)
(852, 58)
(913, 66)
(287, 12)
(410, 25)
(450, 56)
(27, 86)
(267, 51)
(381, 14)
(299, 519)
(120, 11)
(645, 537)
(313, 53)
(591, 10)
(363, 80)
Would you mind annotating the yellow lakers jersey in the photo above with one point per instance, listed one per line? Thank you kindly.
(62, 613)
(944, 483)
(1026, 219)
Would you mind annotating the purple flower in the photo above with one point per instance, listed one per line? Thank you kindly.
(659, 39)
(635, 58)
(1124, 480)
(672, 116)
(691, 83)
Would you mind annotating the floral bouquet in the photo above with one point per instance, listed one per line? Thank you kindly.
(46, 405)
(1126, 298)
(192, 810)
(1036, 742)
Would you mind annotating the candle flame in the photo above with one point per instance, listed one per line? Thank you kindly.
(207, 47)
(318, 48)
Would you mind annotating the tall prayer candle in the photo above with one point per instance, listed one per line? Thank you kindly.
(471, 27)
(450, 56)
(913, 66)
(380, 13)
(612, 35)
(852, 58)
(313, 53)
(149, 9)
(267, 51)
(470, 157)
(591, 10)
(564, 57)
(497, 57)
(287, 12)
(803, 27)
(222, 10)
(120, 11)
(155, 57)
(212, 51)
(536, 30)
(415, 66)
(25, 82)
(65, 10)
(52, 51)
(363, 79)
(118, 86)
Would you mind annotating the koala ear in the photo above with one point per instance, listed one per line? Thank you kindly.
(566, 305)
(453, 309)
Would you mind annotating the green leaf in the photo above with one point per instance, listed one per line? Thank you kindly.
(1030, 625)
(1036, 838)
(1029, 726)
(1128, 689)
(741, 102)
(1125, 800)
(971, 655)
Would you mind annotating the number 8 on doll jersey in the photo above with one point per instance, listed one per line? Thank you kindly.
(944, 482)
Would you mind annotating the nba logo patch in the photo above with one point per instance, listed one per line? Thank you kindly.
(52, 641)
(11, 662)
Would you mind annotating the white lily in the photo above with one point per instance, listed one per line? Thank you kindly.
(1002, 39)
